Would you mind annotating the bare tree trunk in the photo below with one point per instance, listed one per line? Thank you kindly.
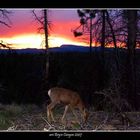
(46, 28)
(90, 35)
(131, 44)
(103, 33)
(114, 41)
(46, 41)
(103, 45)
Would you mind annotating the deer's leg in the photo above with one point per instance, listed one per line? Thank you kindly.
(49, 111)
(64, 114)
(72, 109)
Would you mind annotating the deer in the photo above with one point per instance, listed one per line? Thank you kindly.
(70, 99)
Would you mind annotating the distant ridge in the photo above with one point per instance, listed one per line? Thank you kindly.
(73, 48)
(62, 48)
(23, 51)
(69, 45)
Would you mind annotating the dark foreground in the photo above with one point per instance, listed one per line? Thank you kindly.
(32, 118)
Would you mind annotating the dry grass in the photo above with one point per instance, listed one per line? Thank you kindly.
(32, 118)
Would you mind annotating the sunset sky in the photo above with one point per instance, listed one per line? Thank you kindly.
(24, 34)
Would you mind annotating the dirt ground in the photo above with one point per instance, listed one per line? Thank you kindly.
(36, 120)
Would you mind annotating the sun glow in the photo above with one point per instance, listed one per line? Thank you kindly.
(36, 41)
(23, 41)
(58, 41)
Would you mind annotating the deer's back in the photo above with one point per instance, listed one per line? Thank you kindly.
(62, 95)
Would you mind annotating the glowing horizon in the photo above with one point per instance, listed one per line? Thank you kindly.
(23, 32)
(37, 41)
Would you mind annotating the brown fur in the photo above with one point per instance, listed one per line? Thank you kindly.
(69, 98)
